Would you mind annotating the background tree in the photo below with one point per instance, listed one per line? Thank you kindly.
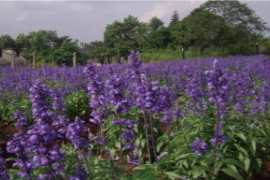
(237, 15)
(124, 36)
(155, 24)
(159, 39)
(243, 25)
(201, 29)
(175, 18)
(6, 41)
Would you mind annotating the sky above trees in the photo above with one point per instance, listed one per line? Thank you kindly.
(87, 20)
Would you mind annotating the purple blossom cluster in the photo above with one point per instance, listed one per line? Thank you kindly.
(95, 89)
(199, 147)
(74, 134)
(80, 173)
(3, 169)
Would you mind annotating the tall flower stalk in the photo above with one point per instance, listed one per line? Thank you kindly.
(219, 93)
(19, 145)
(96, 90)
(42, 135)
(134, 74)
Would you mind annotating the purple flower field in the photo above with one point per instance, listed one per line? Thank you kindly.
(183, 119)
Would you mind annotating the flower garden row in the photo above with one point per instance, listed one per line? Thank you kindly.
(187, 119)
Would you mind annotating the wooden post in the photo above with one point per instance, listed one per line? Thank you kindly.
(257, 48)
(53, 62)
(183, 53)
(34, 59)
(74, 59)
(12, 61)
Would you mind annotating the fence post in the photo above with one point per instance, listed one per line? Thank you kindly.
(257, 48)
(183, 53)
(12, 60)
(34, 59)
(74, 59)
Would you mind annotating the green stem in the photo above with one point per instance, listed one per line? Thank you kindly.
(147, 138)
(153, 135)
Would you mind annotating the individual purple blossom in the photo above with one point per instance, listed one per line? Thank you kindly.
(199, 147)
(80, 173)
(3, 169)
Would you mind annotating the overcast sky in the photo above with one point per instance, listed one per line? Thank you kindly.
(87, 20)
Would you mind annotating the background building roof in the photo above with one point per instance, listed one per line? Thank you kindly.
(6, 58)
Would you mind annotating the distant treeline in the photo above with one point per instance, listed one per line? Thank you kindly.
(216, 28)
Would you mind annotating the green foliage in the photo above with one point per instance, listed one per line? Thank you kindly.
(77, 104)
(6, 41)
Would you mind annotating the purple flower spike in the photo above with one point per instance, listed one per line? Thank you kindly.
(199, 146)
(3, 170)
(74, 133)
(80, 173)
(21, 119)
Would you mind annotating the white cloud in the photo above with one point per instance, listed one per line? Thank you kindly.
(22, 17)
(159, 10)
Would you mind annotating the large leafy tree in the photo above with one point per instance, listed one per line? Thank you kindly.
(201, 29)
(237, 15)
(121, 37)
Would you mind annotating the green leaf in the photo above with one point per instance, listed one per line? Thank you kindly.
(143, 143)
(258, 163)
(146, 174)
(253, 147)
(198, 170)
(247, 164)
(186, 156)
(117, 144)
(145, 166)
(172, 174)
(232, 171)
(159, 145)
(230, 161)
(242, 137)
